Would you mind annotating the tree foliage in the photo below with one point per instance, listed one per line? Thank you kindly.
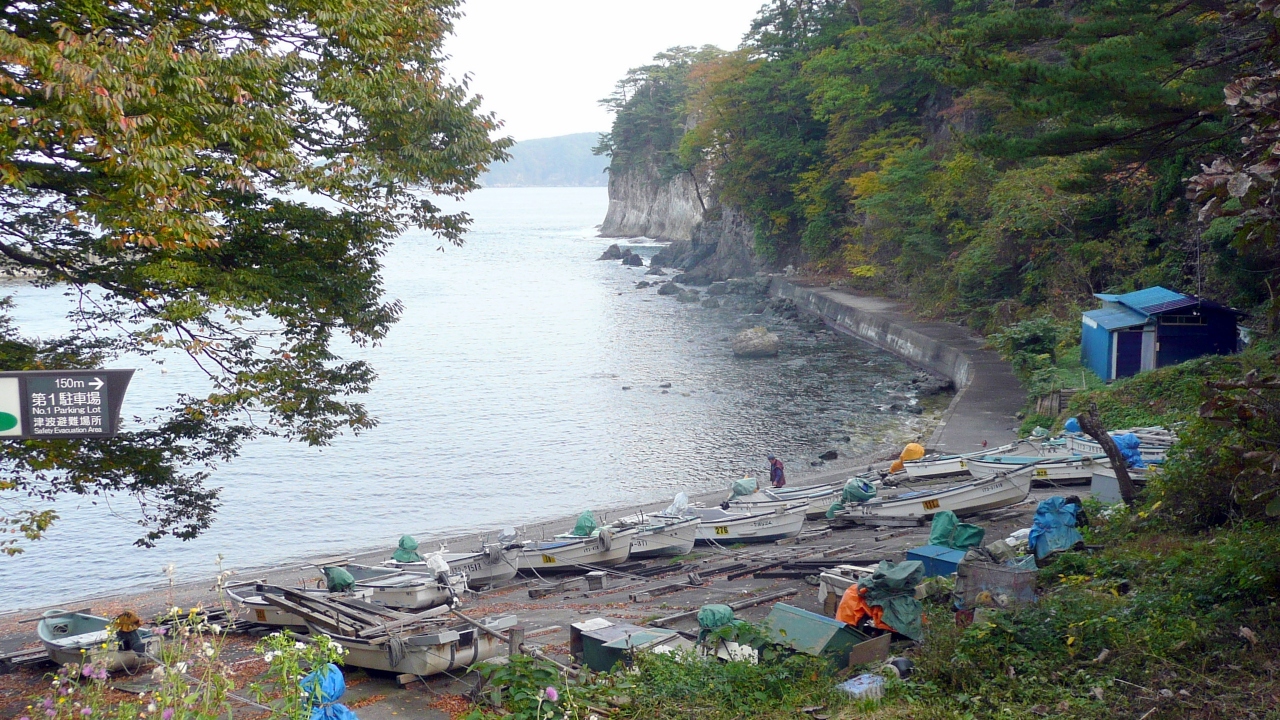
(994, 161)
(156, 160)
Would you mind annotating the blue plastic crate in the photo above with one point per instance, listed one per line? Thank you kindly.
(938, 560)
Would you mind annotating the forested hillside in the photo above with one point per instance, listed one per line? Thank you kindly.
(991, 161)
(563, 161)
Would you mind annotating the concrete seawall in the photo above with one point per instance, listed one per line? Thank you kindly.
(989, 396)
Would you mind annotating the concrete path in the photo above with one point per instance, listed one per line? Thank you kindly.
(988, 395)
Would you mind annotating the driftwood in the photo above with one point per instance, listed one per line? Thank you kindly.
(1092, 426)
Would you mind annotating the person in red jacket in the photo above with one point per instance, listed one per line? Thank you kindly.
(777, 477)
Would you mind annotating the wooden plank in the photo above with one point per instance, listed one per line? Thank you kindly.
(305, 613)
(403, 623)
(562, 586)
(740, 605)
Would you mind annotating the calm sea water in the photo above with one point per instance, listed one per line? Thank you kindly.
(500, 399)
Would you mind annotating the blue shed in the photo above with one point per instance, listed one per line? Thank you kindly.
(1154, 328)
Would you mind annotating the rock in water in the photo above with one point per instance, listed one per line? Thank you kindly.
(632, 260)
(642, 284)
(688, 296)
(718, 289)
(613, 253)
(656, 271)
(711, 303)
(757, 342)
(829, 455)
(669, 289)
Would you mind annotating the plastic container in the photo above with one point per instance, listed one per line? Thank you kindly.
(1004, 584)
(864, 687)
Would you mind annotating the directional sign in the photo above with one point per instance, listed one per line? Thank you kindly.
(61, 404)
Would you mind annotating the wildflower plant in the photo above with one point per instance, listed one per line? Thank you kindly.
(289, 660)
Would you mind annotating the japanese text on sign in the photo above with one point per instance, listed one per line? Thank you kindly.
(67, 406)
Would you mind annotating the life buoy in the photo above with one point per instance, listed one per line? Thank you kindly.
(606, 539)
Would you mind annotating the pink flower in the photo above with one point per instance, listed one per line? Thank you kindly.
(552, 695)
(87, 670)
(160, 630)
(167, 714)
(48, 703)
(86, 712)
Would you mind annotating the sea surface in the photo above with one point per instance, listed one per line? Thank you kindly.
(501, 402)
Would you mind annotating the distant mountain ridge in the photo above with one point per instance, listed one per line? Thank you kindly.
(564, 161)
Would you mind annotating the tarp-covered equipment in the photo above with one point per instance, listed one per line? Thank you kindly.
(855, 491)
(948, 531)
(745, 486)
(407, 551)
(338, 579)
(1072, 425)
(1129, 445)
(679, 506)
(887, 596)
(1054, 527)
(586, 524)
(324, 687)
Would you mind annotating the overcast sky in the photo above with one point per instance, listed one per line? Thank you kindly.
(542, 65)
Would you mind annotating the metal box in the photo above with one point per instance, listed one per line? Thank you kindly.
(938, 560)
(811, 633)
(983, 583)
(603, 643)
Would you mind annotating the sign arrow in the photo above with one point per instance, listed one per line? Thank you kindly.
(96, 384)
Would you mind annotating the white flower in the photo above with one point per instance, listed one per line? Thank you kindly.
(157, 674)
(151, 707)
(208, 650)
(217, 629)
(300, 645)
(181, 666)
(270, 655)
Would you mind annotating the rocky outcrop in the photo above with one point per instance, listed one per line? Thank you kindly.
(757, 342)
(643, 204)
(722, 246)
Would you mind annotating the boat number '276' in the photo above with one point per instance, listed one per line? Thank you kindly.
(722, 529)
(549, 559)
(931, 504)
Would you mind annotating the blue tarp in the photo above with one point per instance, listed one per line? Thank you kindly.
(326, 686)
(1128, 444)
(1072, 425)
(1054, 527)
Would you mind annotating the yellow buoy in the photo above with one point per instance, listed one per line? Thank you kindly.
(913, 451)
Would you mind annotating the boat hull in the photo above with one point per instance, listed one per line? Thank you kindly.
(721, 527)
(251, 607)
(1089, 446)
(490, 566)
(668, 540)
(818, 500)
(79, 638)
(427, 654)
(964, 499)
(572, 555)
(936, 466)
(1071, 470)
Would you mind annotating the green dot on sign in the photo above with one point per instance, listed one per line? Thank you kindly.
(7, 421)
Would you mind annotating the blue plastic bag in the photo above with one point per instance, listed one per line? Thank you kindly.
(1129, 445)
(326, 686)
(1072, 425)
(1054, 527)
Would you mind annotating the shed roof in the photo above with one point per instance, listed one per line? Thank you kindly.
(1156, 300)
(1116, 318)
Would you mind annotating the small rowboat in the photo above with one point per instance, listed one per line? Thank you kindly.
(77, 637)
(424, 651)
(1053, 469)
(963, 499)
(494, 563)
(567, 553)
(660, 535)
(936, 465)
(1084, 445)
(406, 590)
(253, 606)
(737, 525)
(818, 498)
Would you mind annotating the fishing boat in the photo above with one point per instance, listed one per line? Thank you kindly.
(736, 525)
(817, 498)
(936, 465)
(249, 599)
(1050, 470)
(378, 638)
(78, 637)
(659, 535)
(1085, 445)
(493, 563)
(395, 588)
(968, 498)
(566, 553)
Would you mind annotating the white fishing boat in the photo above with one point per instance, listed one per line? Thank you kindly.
(494, 563)
(936, 465)
(407, 590)
(251, 605)
(566, 553)
(659, 535)
(1051, 470)
(963, 499)
(817, 499)
(737, 525)
(78, 637)
(424, 651)
(1085, 445)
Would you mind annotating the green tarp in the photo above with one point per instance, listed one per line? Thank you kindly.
(338, 579)
(711, 617)
(948, 531)
(586, 524)
(745, 486)
(407, 552)
(893, 587)
(855, 491)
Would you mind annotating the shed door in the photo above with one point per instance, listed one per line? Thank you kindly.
(1128, 353)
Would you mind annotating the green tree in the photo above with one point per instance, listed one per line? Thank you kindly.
(154, 159)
